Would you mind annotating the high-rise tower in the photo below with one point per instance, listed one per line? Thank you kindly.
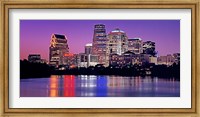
(100, 43)
(58, 48)
(118, 42)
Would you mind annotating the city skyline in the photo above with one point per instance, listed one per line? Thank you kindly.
(35, 34)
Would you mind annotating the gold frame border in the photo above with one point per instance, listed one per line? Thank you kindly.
(6, 5)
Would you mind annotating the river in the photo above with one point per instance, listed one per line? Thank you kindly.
(99, 86)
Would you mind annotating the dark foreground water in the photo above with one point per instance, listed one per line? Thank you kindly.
(99, 86)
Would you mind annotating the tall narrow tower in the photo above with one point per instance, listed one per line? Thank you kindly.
(58, 48)
(100, 43)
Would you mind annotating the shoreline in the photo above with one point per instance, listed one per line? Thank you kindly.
(164, 77)
(39, 70)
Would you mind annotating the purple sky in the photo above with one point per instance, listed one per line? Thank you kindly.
(35, 35)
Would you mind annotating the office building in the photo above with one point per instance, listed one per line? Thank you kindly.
(166, 60)
(86, 60)
(100, 43)
(36, 58)
(140, 59)
(116, 60)
(130, 58)
(118, 42)
(58, 47)
(153, 59)
(149, 48)
(135, 45)
(70, 60)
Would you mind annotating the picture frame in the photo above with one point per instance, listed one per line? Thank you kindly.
(15, 4)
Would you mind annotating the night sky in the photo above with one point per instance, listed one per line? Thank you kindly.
(35, 35)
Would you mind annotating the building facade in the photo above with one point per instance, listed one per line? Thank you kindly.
(100, 43)
(36, 58)
(166, 60)
(117, 42)
(140, 59)
(149, 48)
(86, 60)
(135, 45)
(129, 58)
(116, 60)
(71, 60)
(58, 48)
(88, 48)
(153, 59)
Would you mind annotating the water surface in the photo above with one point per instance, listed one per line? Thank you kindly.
(99, 86)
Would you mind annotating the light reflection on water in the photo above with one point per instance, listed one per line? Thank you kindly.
(99, 86)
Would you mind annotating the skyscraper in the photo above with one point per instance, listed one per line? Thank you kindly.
(135, 45)
(58, 48)
(100, 43)
(118, 42)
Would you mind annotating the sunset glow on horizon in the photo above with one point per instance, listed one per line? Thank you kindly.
(35, 35)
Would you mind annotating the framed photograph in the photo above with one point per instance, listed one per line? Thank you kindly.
(97, 57)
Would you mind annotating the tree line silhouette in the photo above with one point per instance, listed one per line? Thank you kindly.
(37, 70)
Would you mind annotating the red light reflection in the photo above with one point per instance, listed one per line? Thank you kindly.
(69, 86)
